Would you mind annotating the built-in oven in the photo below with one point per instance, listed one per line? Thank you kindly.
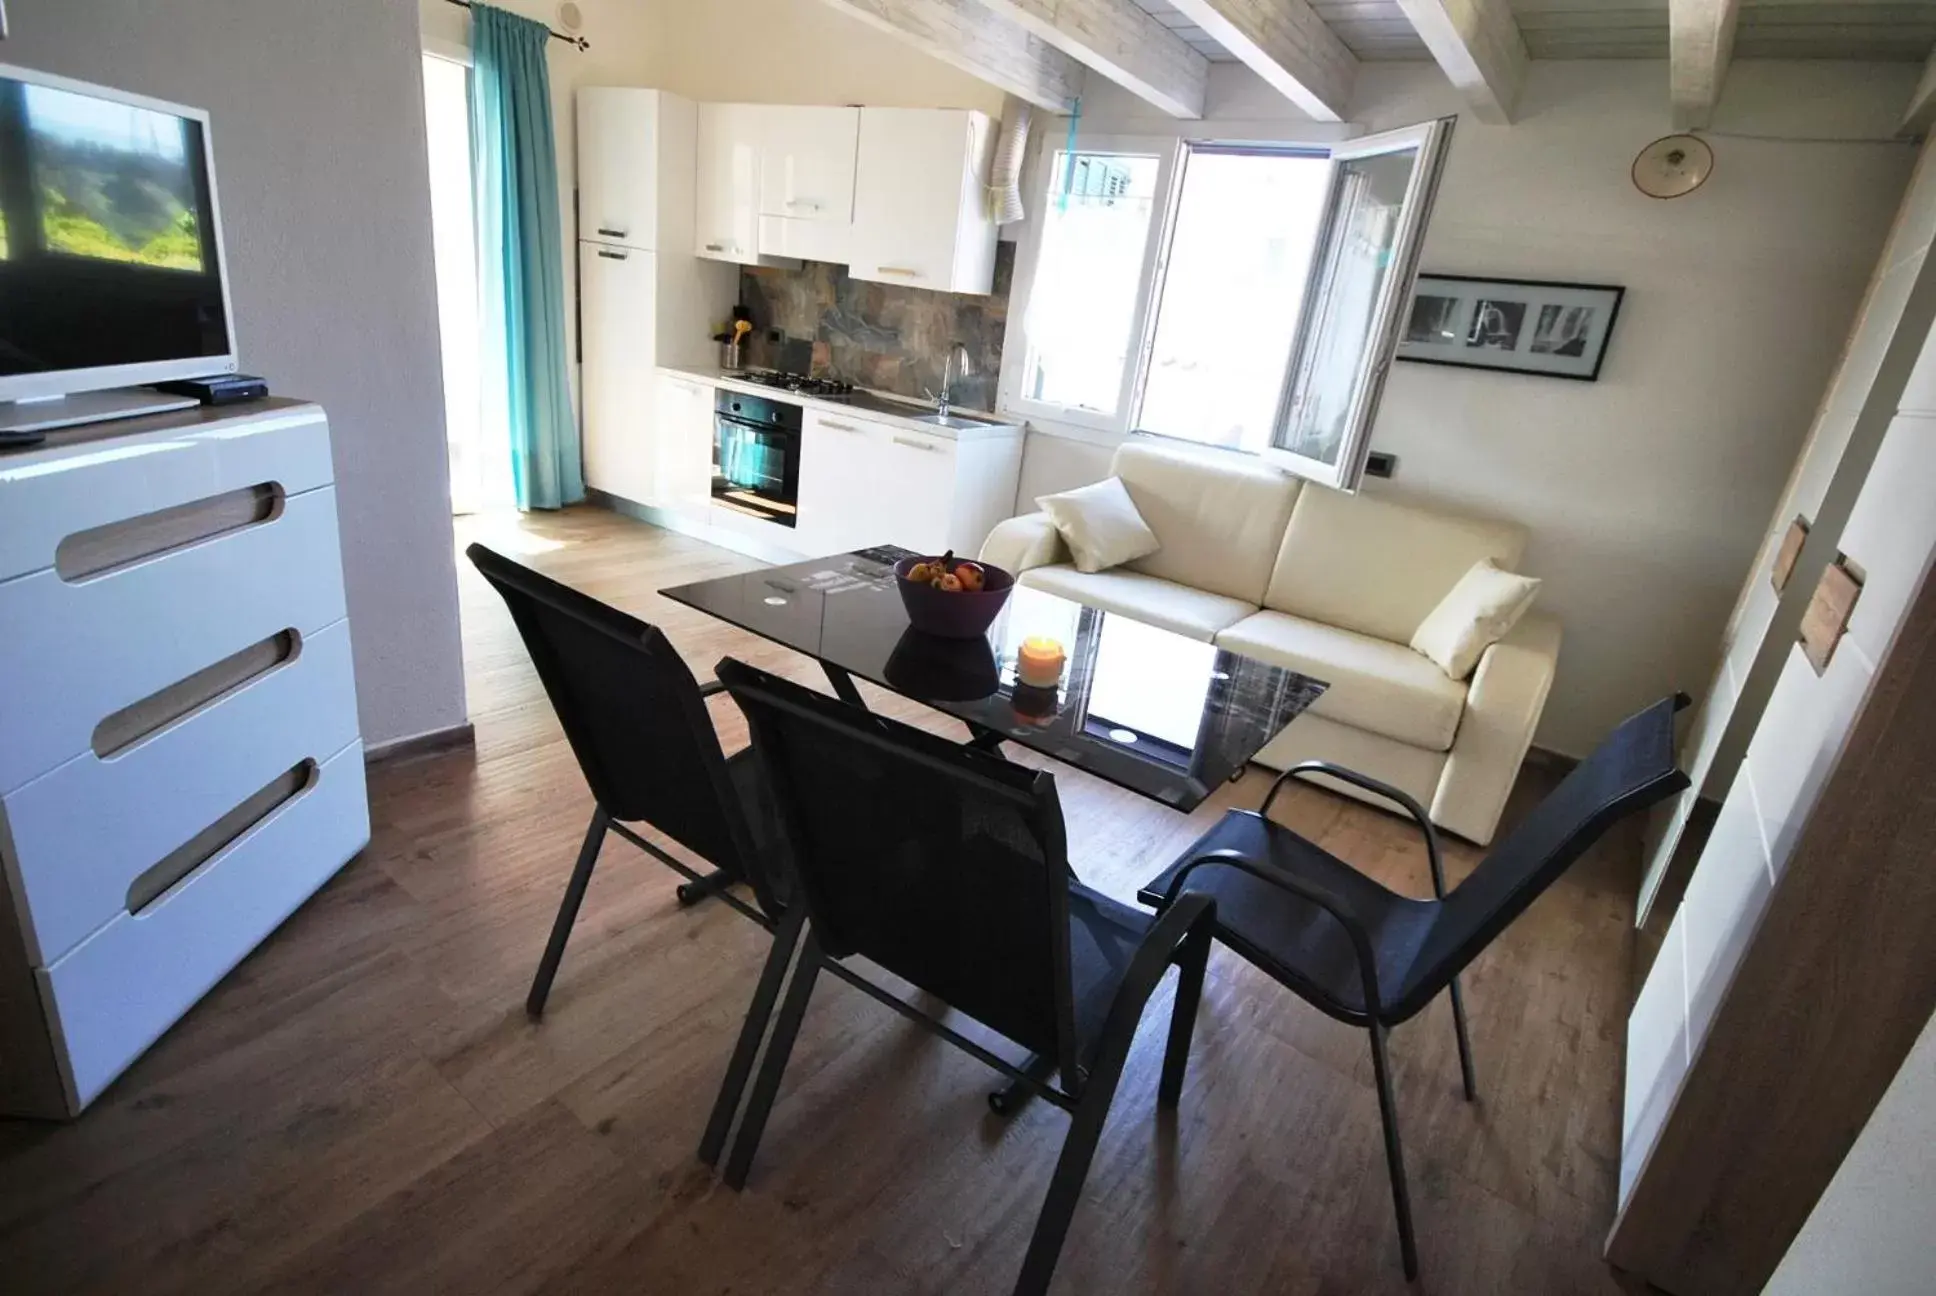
(756, 456)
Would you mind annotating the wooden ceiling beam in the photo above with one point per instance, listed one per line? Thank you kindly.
(1285, 43)
(970, 36)
(1700, 41)
(1120, 40)
(1478, 45)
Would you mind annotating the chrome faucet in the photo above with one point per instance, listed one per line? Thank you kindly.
(950, 374)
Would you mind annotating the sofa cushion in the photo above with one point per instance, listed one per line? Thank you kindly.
(1376, 685)
(1375, 566)
(1187, 611)
(1218, 516)
(1100, 524)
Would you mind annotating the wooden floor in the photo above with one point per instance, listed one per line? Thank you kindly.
(363, 1107)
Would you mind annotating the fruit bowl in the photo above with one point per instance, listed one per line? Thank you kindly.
(952, 614)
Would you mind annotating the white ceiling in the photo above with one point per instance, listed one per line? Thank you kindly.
(1192, 34)
(1826, 29)
(1833, 29)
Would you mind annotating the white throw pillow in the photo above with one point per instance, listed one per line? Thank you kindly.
(1479, 611)
(1101, 525)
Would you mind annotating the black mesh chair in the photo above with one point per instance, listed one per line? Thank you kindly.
(637, 722)
(1373, 958)
(945, 865)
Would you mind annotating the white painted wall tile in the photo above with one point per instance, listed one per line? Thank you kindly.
(1891, 534)
(1800, 737)
(1873, 335)
(1657, 1052)
(1725, 898)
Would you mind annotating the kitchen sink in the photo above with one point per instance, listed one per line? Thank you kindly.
(959, 421)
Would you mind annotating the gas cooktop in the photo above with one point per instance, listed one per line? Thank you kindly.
(827, 388)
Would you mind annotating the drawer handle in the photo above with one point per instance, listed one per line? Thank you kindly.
(612, 233)
(904, 271)
(155, 881)
(842, 427)
(205, 687)
(103, 548)
(807, 203)
(929, 446)
(717, 247)
(610, 255)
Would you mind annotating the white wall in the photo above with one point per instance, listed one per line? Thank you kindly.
(318, 130)
(1870, 1232)
(801, 51)
(626, 44)
(1646, 492)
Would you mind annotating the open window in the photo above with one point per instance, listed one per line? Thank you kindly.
(1382, 187)
(1241, 295)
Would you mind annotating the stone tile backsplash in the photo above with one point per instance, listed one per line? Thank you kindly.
(883, 336)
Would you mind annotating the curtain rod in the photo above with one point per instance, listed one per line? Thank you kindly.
(578, 41)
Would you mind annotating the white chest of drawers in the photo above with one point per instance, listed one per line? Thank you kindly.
(180, 761)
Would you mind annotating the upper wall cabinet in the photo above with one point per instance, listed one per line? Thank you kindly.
(807, 164)
(629, 143)
(807, 183)
(919, 211)
(731, 139)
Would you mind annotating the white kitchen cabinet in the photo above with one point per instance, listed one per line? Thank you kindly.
(867, 482)
(619, 140)
(807, 163)
(684, 449)
(617, 306)
(920, 218)
(839, 493)
(918, 511)
(727, 211)
(806, 197)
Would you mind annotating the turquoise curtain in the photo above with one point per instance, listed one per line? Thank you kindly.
(520, 256)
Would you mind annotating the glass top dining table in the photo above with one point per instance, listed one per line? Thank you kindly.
(1148, 709)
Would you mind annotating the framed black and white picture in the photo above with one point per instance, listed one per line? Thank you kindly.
(1520, 325)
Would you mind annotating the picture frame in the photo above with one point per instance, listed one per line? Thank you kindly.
(1531, 326)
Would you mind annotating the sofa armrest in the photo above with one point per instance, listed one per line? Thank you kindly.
(1020, 543)
(1502, 709)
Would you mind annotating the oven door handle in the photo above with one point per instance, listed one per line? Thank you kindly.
(751, 426)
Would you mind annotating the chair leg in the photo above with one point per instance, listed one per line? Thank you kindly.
(1183, 1016)
(581, 875)
(1394, 1155)
(691, 893)
(1065, 1187)
(785, 940)
(779, 1050)
(1465, 1044)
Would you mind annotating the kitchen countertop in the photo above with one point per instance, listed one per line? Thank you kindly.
(871, 405)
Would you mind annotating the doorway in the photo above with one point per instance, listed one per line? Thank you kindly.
(479, 438)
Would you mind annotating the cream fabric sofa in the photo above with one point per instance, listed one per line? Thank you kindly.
(1332, 585)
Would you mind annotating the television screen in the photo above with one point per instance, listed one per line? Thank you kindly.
(108, 241)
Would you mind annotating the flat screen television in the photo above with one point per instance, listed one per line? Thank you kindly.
(111, 271)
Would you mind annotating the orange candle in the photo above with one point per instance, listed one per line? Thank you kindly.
(1039, 662)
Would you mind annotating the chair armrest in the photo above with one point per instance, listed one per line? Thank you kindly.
(711, 688)
(1193, 914)
(1502, 709)
(1327, 900)
(1020, 543)
(1383, 789)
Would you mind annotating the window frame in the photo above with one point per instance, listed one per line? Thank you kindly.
(1433, 140)
(1070, 420)
(1153, 303)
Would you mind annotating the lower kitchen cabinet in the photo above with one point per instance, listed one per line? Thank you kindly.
(683, 449)
(865, 482)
